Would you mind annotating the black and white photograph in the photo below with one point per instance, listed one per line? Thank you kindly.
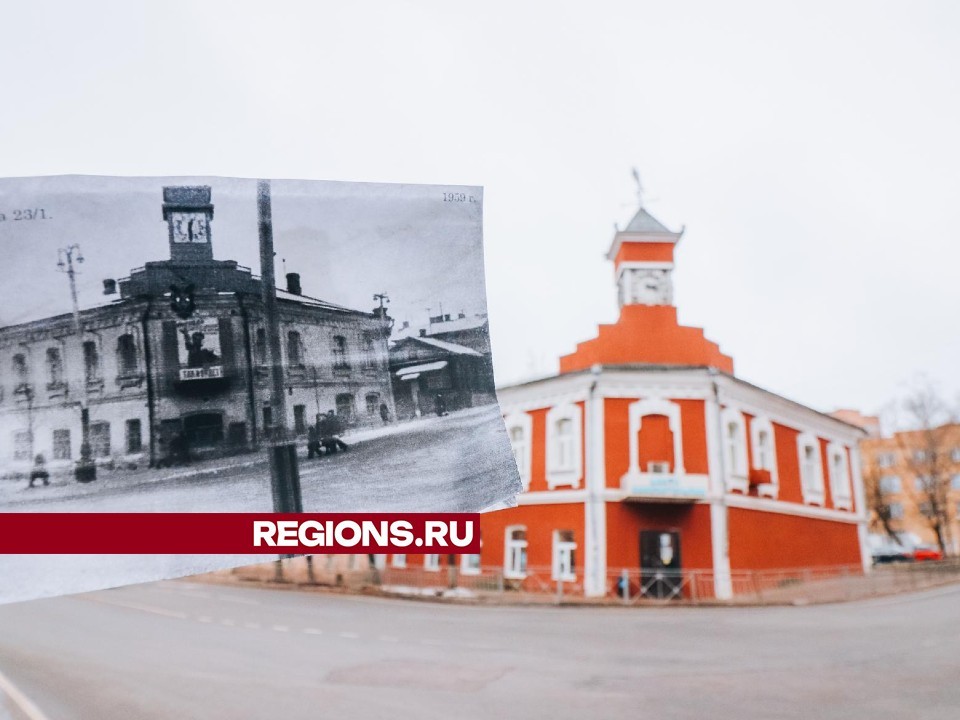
(146, 366)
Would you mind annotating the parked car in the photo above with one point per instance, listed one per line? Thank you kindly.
(927, 552)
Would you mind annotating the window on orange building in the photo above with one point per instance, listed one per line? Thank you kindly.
(890, 484)
(839, 476)
(884, 460)
(564, 556)
(515, 552)
(399, 561)
(470, 564)
(431, 562)
(811, 469)
(563, 446)
(734, 449)
(896, 511)
(519, 428)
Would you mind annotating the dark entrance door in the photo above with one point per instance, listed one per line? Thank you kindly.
(660, 569)
(204, 429)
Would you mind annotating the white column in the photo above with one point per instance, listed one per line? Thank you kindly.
(719, 533)
(595, 511)
(860, 503)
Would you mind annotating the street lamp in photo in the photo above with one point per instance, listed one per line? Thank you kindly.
(86, 468)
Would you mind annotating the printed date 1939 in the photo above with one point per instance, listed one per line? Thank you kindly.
(24, 214)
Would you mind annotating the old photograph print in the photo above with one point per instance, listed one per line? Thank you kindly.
(143, 367)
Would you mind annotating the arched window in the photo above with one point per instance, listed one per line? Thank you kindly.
(811, 469)
(21, 370)
(839, 476)
(127, 355)
(54, 367)
(734, 449)
(294, 355)
(340, 353)
(260, 347)
(762, 441)
(564, 452)
(515, 552)
(91, 361)
(519, 429)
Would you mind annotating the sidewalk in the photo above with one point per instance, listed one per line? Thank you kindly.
(63, 485)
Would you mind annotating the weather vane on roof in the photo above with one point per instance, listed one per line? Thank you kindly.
(636, 179)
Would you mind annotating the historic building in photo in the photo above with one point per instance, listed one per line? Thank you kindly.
(647, 455)
(181, 357)
(449, 359)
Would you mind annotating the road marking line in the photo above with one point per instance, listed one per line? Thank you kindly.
(25, 704)
(281, 628)
(137, 606)
(349, 635)
(238, 600)
(313, 631)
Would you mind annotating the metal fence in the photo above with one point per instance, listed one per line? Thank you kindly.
(629, 587)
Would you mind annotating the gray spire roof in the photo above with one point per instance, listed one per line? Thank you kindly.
(644, 222)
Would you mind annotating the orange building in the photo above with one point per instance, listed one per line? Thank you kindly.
(647, 451)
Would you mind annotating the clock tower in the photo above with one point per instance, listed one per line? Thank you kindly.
(188, 212)
(642, 255)
(648, 331)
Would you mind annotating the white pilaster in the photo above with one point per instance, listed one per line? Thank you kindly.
(860, 503)
(595, 511)
(719, 533)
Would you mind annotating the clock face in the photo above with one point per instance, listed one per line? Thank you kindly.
(190, 228)
(650, 287)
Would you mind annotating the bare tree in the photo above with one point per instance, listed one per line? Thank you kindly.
(926, 449)
(878, 501)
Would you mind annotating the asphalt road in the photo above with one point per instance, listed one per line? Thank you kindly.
(447, 464)
(183, 650)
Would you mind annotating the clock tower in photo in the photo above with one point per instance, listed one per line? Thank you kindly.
(188, 212)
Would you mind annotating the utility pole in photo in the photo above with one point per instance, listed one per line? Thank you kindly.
(284, 473)
(86, 468)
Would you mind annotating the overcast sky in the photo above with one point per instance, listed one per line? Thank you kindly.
(811, 149)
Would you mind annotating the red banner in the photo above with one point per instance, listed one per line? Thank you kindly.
(238, 533)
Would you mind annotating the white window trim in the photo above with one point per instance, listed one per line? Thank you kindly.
(427, 566)
(398, 561)
(813, 492)
(840, 488)
(655, 406)
(758, 425)
(735, 481)
(559, 545)
(466, 569)
(508, 545)
(557, 477)
(524, 422)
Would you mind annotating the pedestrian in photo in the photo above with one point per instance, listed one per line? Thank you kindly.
(440, 405)
(313, 442)
(39, 471)
(331, 430)
(384, 413)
